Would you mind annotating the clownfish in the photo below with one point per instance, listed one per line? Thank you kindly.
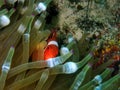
(51, 50)
(38, 53)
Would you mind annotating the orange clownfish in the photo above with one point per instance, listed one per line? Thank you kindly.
(51, 49)
(38, 53)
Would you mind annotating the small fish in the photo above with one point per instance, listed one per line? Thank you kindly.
(38, 53)
(51, 49)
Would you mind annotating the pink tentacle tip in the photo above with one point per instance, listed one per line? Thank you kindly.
(14, 9)
(33, 14)
(12, 47)
(90, 64)
(91, 53)
(72, 51)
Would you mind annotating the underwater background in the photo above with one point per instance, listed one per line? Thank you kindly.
(59, 44)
